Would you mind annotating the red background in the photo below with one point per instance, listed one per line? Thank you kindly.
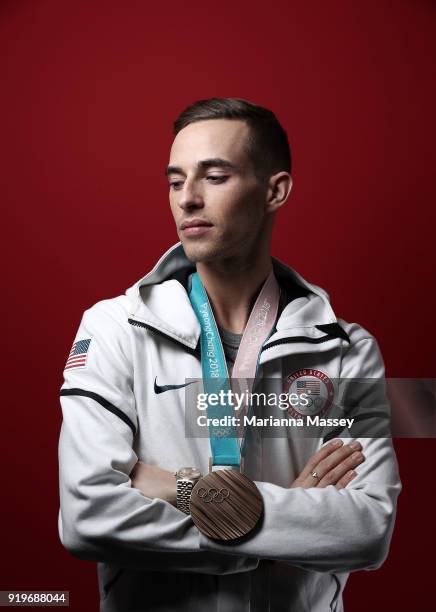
(89, 91)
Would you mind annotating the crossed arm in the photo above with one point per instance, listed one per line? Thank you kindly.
(333, 464)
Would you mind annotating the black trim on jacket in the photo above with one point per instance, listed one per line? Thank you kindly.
(103, 402)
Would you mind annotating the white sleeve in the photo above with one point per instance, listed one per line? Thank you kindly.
(324, 529)
(102, 517)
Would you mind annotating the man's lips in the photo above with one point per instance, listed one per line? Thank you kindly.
(195, 227)
(196, 230)
(195, 223)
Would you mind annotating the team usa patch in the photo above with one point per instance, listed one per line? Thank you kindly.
(315, 389)
(78, 354)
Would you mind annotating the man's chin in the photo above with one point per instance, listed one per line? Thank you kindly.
(199, 253)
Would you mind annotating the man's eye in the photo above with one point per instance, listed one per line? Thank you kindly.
(221, 178)
(214, 179)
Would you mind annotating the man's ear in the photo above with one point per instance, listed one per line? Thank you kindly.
(279, 188)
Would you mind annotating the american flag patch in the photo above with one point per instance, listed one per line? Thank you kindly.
(311, 386)
(78, 354)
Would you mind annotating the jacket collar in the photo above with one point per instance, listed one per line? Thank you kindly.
(159, 301)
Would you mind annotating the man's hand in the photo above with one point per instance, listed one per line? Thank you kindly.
(153, 482)
(333, 464)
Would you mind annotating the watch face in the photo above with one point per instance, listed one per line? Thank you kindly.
(188, 472)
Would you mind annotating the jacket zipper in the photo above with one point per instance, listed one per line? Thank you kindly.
(193, 351)
(196, 351)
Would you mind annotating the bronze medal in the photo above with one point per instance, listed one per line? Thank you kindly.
(225, 505)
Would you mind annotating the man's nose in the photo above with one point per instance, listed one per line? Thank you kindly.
(190, 196)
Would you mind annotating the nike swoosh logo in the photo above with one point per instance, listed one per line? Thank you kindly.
(163, 388)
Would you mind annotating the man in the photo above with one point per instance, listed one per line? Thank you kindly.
(134, 360)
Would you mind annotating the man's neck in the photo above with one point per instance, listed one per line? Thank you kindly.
(232, 287)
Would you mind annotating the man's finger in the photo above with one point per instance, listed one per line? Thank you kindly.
(335, 459)
(346, 479)
(334, 475)
(315, 459)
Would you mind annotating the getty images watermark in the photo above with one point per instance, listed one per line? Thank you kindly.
(310, 404)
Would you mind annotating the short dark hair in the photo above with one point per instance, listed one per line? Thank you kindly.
(268, 145)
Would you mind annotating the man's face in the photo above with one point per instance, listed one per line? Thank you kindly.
(216, 199)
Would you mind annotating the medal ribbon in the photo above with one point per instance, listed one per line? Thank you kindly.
(224, 439)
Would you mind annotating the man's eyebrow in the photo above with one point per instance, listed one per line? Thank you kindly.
(213, 162)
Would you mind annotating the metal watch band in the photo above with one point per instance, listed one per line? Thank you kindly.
(184, 490)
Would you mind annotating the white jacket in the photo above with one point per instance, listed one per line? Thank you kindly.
(151, 557)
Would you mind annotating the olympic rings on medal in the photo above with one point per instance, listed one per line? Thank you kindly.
(213, 495)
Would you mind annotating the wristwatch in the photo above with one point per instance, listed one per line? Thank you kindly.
(187, 477)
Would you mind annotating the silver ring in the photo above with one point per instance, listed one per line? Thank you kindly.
(315, 475)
